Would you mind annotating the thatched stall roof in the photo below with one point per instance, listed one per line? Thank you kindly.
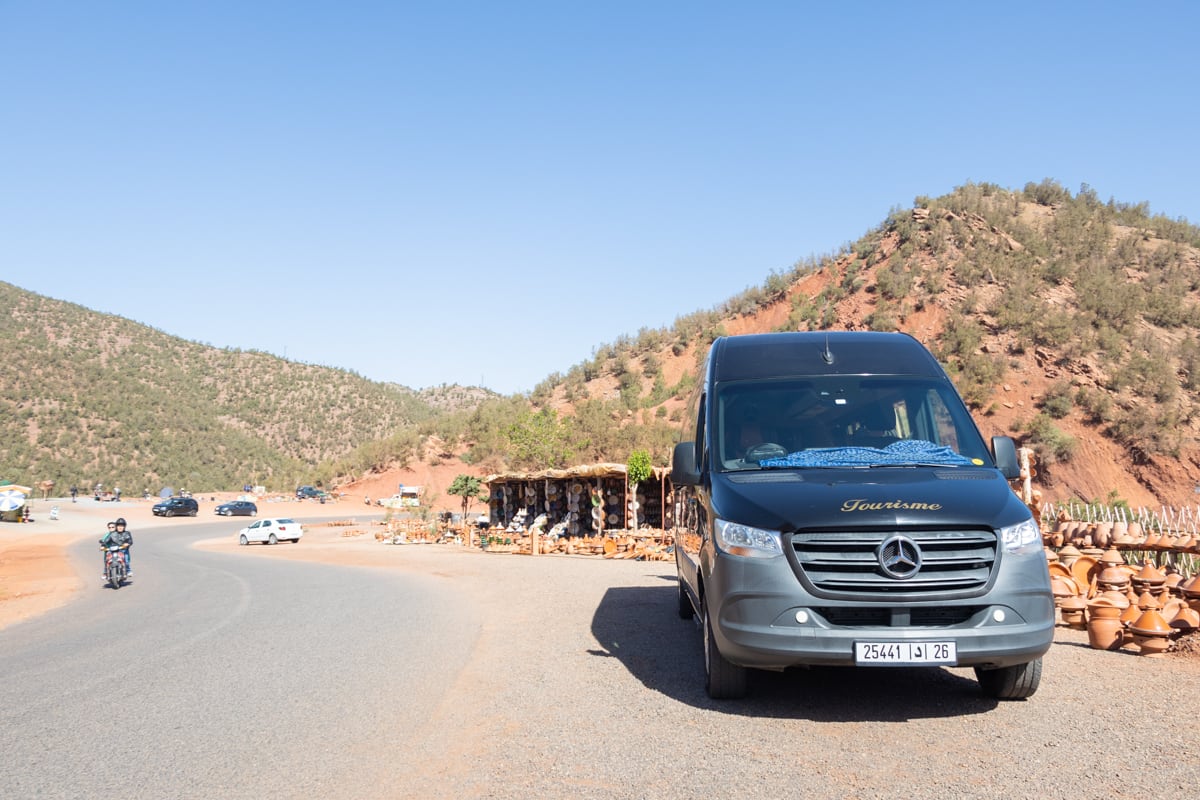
(601, 470)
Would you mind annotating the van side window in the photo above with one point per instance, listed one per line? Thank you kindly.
(701, 448)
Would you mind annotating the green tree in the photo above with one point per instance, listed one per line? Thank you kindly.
(469, 488)
(539, 441)
(637, 469)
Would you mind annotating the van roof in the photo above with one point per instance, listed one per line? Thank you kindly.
(769, 355)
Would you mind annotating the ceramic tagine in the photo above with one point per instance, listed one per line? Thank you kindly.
(1104, 626)
(1151, 633)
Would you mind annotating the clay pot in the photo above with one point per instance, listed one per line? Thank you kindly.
(1068, 554)
(1072, 611)
(1135, 532)
(1171, 608)
(1130, 614)
(1151, 633)
(1105, 632)
(1062, 587)
(1102, 535)
(1112, 578)
(1112, 557)
(1191, 587)
(1120, 532)
(1186, 620)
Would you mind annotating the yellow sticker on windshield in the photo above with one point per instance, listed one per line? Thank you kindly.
(977, 462)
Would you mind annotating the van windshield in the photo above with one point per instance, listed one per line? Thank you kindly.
(843, 421)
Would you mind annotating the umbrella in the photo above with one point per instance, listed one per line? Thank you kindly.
(11, 500)
(6, 486)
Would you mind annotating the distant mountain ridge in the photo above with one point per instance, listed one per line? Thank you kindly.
(90, 397)
(1069, 323)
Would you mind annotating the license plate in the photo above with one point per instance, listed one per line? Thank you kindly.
(886, 653)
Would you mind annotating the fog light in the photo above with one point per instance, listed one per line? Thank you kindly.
(998, 615)
(802, 617)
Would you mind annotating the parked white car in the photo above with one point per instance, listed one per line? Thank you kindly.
(272, 531)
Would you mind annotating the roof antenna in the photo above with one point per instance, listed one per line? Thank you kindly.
(827, 354)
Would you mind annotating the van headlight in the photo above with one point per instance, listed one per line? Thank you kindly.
(743, 540)
(1021, 539)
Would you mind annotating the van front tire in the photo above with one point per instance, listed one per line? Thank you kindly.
(1010, 683)
(685, 603)
(724, 680)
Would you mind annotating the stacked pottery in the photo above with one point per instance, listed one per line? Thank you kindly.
(1073, 610)
(1068, 554)
(1104, 626)
(1150, 631)
(1150, 579)
(1190, 589)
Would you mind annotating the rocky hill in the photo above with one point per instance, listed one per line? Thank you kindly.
(1067, 322)
(90, 397)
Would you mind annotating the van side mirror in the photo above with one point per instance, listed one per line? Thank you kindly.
(683, 465)
(1004, 450)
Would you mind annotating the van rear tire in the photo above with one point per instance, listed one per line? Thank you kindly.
(1010, 683)
(724, 680)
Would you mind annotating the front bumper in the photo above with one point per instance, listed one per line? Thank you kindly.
(755, 606)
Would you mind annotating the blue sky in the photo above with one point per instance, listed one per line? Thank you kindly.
(483, 193)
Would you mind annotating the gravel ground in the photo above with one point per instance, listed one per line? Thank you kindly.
(585, 683)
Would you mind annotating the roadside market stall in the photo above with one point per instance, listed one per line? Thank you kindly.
(13, 500)
(584, 500)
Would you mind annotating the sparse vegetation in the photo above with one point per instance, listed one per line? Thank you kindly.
(1098, 301)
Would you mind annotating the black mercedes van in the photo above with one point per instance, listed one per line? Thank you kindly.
(837, 505)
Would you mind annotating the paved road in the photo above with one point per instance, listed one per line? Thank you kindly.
(487, 676)
(217, 675)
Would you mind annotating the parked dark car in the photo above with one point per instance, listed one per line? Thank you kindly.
(305, 492)
(237, 508)
(176, 507)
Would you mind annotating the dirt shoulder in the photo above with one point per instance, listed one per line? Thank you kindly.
(36, 573)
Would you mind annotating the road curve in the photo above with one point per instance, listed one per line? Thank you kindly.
(215, 675)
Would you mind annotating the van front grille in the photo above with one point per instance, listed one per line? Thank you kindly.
(847, 563)
(897, 616)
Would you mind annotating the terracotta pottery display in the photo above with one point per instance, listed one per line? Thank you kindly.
(1068, 554)
(1112, 578)
(1112, 557)
(1130, 614)
(1061, 587)
(1082, 570)
(1120, 531)
(1072, 611)
(1104, 626)
(1186, 620)
(1060, 569)
(1171, 608)
(1149, 577)
(1102, 535)
(1151, 633)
